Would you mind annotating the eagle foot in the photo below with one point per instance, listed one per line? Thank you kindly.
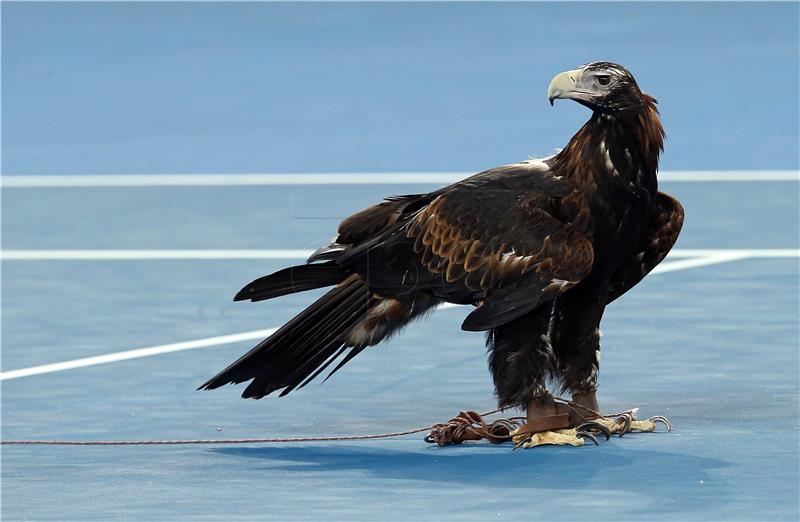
(558, 429)
(626, 422)
(567, 437)
(567, 428)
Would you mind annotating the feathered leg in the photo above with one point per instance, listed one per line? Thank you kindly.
(575, 332)
(520, 359)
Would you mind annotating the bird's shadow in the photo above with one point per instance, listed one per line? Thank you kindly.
(614, 464)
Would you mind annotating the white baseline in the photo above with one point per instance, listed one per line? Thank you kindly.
(338, 178)
(296, 254)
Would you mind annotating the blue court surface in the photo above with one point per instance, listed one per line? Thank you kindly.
(101, 276)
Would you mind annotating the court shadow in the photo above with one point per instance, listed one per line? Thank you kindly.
(612, 465)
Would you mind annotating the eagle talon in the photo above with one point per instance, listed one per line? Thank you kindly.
(627, 420)
(588, 426)
(649, 425)
(663, 420)
(588, 435)
(619, 424)
(521, 443)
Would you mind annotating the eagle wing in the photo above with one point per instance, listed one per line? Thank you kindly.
(655, 245)
(493, 240)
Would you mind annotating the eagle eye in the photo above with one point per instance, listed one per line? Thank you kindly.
(604, 79)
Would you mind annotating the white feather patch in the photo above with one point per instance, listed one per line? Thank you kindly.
(607, 157)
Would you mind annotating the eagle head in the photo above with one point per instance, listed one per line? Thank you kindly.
(601, 86)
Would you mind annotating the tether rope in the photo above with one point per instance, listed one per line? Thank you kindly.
(279, 440)
(273, 440)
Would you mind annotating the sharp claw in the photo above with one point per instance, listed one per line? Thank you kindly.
(663, 420)
(521, 443)
(627, 419)
(592, 425)
(587, 435)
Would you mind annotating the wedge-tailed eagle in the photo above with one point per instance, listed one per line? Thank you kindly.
(539, 248)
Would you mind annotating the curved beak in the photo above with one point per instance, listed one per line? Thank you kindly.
(564, 85)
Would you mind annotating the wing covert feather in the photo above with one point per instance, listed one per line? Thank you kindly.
(503, 246)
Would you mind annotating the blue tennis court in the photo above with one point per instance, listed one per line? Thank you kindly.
(227, 141)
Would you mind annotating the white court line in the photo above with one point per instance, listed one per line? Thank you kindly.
(136, 354)
(339, 178)
(763, 252)
(117, 255)
(292, 254)
(259, 334)
(696, 262)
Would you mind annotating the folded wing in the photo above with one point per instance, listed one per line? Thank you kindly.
(502, 246)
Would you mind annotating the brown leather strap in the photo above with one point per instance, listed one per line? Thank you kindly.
(577, 414)
(549, 423)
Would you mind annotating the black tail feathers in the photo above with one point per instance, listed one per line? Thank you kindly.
(307, 344)
(291, 280)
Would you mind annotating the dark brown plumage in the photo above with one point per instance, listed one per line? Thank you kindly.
(539, 247)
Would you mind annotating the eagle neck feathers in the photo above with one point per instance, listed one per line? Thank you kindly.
(624, 143)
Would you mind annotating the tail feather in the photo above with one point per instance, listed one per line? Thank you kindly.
(312, 347)
(291, 280)
(305, 345)
(318, 351)
(246, 367)
(355, 351)
(324, 366)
